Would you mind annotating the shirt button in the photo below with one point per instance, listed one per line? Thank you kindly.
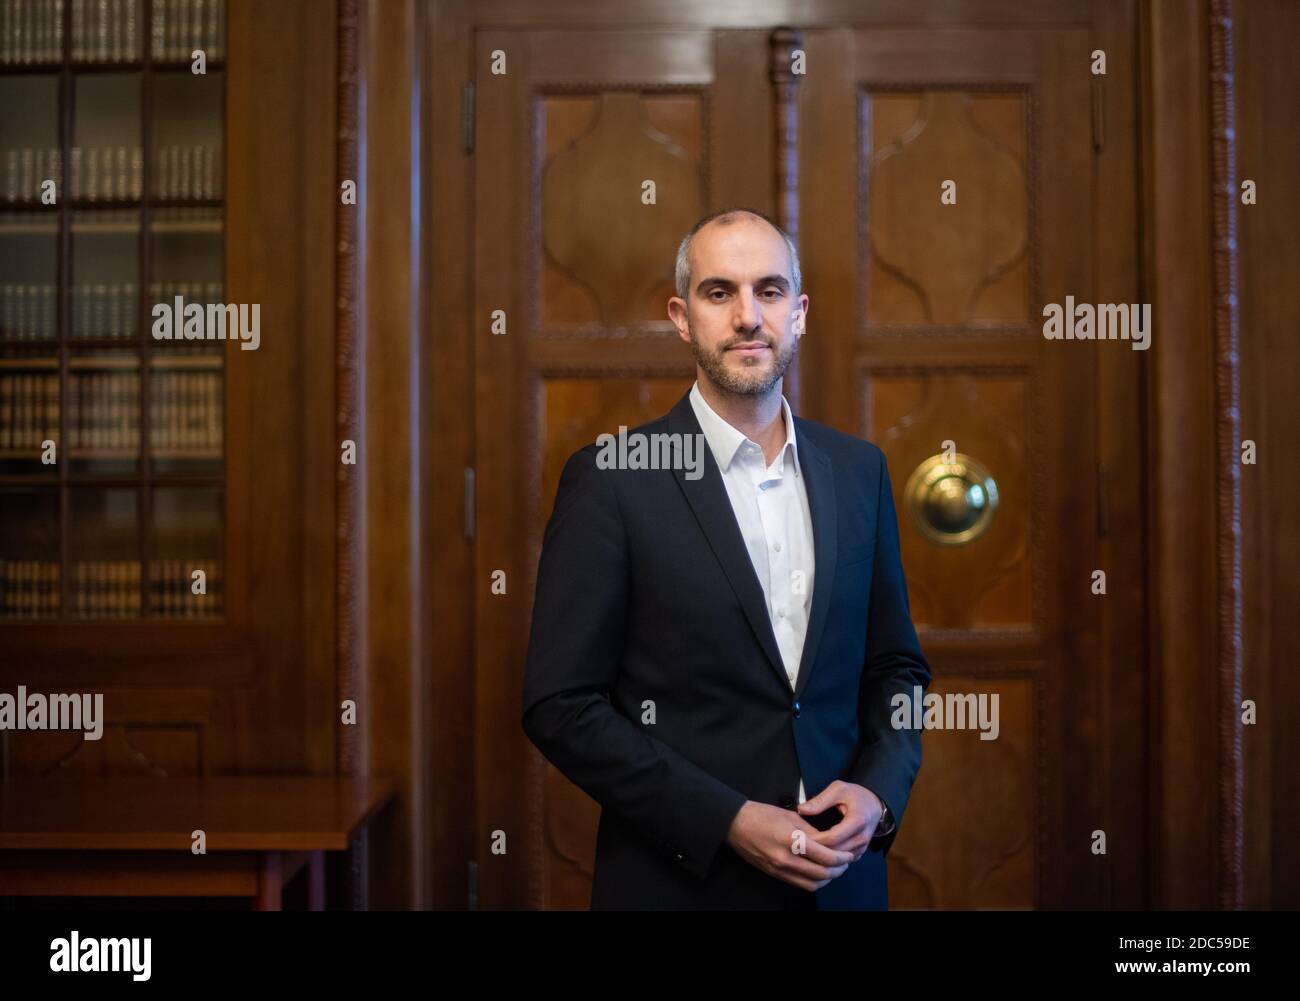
(776, 546)
(780, 613)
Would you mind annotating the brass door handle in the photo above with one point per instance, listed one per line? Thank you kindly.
(951, 503)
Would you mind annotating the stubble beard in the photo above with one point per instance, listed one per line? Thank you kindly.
(750, 381)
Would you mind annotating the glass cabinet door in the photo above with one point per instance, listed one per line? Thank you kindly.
(112, 490)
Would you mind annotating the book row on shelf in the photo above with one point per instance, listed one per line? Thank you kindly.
(114, 173)
(106, 172)
(187, 172)
(108, 31)
(29, 411)
(104, 310)
(28, 312)
(29, 589)
(27, 170)
(31, 31)
(107, 311)
(181, 26)
(103, 412)
(185, 414)
(109, 589)
(105, 31)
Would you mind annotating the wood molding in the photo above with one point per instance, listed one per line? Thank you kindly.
(785, 134)
(1195, 550)
(1267, 126)
(350, 677)
(348, 366)
(1227, 378)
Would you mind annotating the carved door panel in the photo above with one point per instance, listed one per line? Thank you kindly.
(595, 152)
(948, 195)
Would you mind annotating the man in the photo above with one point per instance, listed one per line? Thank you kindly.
(707, 649)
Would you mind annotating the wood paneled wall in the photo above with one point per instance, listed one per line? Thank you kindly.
(419, 646)
(1189, 815)
(1268, 151)
(264, 697)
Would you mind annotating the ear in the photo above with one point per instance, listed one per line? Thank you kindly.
(677, 313)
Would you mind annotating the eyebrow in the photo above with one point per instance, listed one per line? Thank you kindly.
(778, 280)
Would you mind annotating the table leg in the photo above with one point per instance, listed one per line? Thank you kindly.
(316, 881)
(269, 886)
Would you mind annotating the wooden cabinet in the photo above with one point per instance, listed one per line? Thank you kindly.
(174, 551)
(111, 437)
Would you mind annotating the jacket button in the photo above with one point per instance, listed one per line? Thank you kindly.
(679, 856)
(787, 802)
(796, 710)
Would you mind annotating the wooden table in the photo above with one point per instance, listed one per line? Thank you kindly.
(77, 836)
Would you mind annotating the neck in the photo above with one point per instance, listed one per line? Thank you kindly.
(759, 418)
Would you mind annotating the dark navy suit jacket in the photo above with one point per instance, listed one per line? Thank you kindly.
(646, 595)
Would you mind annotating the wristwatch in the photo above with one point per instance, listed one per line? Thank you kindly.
(887, 824)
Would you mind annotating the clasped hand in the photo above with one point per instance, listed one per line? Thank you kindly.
(783, 844)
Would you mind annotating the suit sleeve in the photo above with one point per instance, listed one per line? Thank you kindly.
(575, 651)
(894, 664)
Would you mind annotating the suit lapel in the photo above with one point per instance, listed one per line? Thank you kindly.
(712, 506)
(819, 481)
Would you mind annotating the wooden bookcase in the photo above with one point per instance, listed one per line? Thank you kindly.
(112, 444)
(243, 682)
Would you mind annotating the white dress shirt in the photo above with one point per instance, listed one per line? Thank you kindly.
(772, 511)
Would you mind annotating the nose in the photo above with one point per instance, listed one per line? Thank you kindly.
(749, 315)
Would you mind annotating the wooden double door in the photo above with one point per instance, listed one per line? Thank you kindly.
(945, 182)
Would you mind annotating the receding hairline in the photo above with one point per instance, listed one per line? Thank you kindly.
(727, 217)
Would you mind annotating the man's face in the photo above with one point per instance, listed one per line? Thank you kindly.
(741, 316)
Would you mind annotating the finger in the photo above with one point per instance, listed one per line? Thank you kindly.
(847, 829)
(820, 858)
(811, 847)
(813, 882)
(823, 800)
(855, 850)
(824, 855)
(801, 865)
(854, 845)
(817, 848)
(835, 873)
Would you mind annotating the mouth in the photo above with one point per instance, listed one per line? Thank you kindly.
(747, 348)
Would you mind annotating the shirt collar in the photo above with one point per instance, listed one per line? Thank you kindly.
(725, 441)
